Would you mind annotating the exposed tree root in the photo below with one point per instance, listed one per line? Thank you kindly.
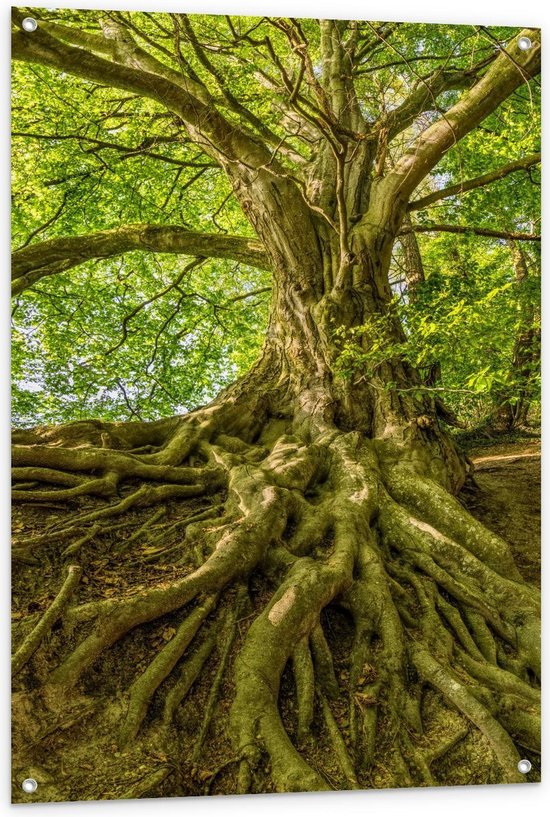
(34, 639)
(189, 673)
(324, 667)
(445, 746)
(124, 546)
(73, 549)
(227, 635)
(146, 784)
(338, 743)
(433, 599)
(143, 689)
(302, 666)
(501, 743)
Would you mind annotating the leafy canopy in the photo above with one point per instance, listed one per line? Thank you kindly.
(148, 334)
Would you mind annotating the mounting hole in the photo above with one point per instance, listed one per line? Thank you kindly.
(29, 785)
(524, 43)
(524, 766)
(29, 24)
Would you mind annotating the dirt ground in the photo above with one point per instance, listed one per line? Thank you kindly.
(507, 498)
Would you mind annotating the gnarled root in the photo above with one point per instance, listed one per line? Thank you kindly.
(335, 616)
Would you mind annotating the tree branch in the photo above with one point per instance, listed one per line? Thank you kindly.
(230, 100)
(465, 230)
(511, 69)
(61, 254)
(219, 138)
(479, 181)
(118, 45)
(128, 151)
(424, 97)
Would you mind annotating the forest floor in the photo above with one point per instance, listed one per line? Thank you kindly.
(507, 496)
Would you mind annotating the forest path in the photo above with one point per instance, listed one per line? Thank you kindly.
(508, 498)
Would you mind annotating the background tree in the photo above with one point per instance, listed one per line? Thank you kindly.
(474, 291)
(289, 558)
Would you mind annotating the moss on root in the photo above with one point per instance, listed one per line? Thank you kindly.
(314, 614)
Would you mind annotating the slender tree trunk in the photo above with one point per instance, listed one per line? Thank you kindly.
(412, 261)
(513, 401)
(415, 277)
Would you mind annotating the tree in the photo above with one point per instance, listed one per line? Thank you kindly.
(473, 329)
(514, 396)
(473, 293)
(298, 503)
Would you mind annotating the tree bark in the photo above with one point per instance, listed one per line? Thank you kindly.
(38, 261)
(512, 401)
